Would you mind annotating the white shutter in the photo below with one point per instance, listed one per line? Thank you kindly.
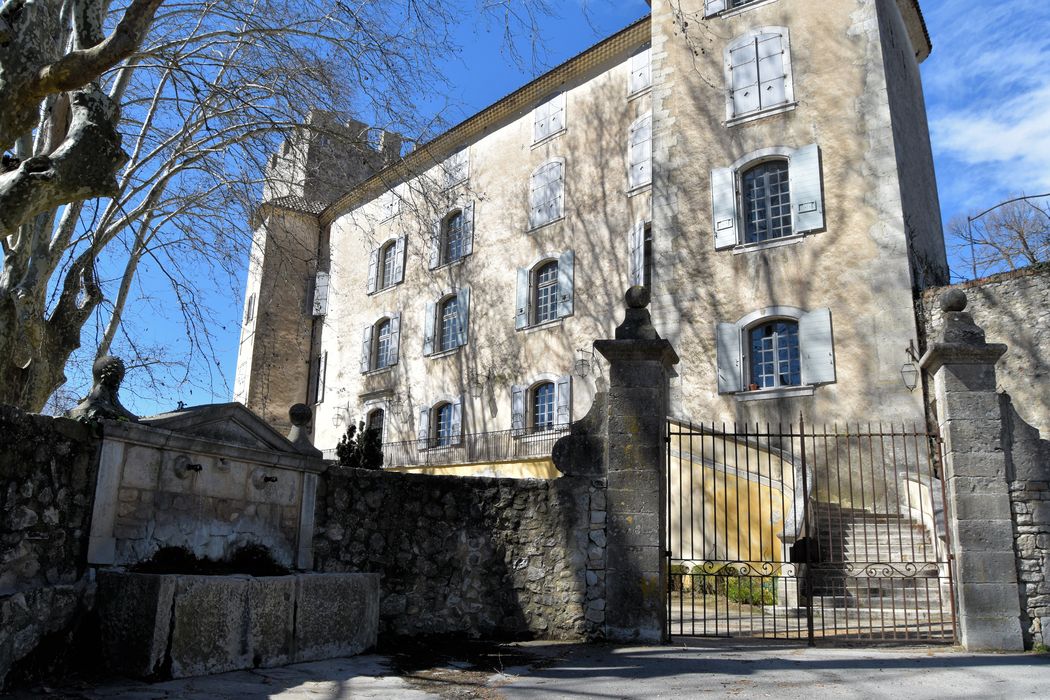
(400, 250)
(555, 190)
(772, 70)
(373, 269)
(566, 273)
(517, 409)
(457, 167)
(640, 153)
(743, 72)
(521, 300)
(723, 207)
(641, 71)
(394, 353)
(463, 315)
(423, 429)
(730, 372)
(563, 401)
(321, 294)
(712, 7)
(537, 191)
(457, 422)
(366, 349)
(541, 122)
(428, 328)
(556, 120)
(322, 376)
(636, 246)
(435, 244)
(817, 347)
(807, 199)
(468, 229)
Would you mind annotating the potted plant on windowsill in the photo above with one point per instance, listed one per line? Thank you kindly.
(752, 387)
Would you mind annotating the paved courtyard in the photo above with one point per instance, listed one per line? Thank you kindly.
(704, 669)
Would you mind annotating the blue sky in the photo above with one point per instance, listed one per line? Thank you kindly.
(987, 92)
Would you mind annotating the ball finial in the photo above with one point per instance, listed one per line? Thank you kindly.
(637, 297)
(300, 414)
(953, 300)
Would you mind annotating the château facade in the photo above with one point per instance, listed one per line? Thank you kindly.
(762, 166)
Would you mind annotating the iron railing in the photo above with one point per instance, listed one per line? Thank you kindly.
(474, 448)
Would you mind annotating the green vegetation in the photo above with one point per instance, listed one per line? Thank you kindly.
(725, 581)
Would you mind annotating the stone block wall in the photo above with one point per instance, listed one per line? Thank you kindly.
(48, 468)
(477, 556)
(1012, 308)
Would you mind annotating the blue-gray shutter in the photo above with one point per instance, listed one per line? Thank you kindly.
(468, 229)
(565, 283)
(636, 246)
(400, 249)
(394, 353)
(723, 207)
(366, 348)
(521, 300)
(373, 270)
(563, 401)
(457, 421)
(435, 244)
(730, 374)
(428, 328)
(423, 429)
(807, 197)
(743, 77)
(463, 315)
(817, 347)
(320, 305)
(517, 409)
(712, 7)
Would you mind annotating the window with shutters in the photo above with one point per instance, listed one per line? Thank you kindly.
(758, 74)
(647, 256)
(389, 206)
(380, 344)
(541, 414)
(548, 119)
(714, 7)
(386, 265)
(544, 404)
(445, 321)
(640, 153)
(775, 352)
(545, 290)
(449, 317)
(767, 198)
(640, 77)
(319, 370)
(453, 236)
(547, 193)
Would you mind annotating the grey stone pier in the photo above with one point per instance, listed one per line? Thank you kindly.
(962, 365)
(635, 421)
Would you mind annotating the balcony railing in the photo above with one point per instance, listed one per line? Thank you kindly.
(476, 448)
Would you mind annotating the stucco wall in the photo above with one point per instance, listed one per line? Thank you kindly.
(1012, 308)
(479, 556)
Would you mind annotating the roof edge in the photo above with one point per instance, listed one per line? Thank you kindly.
(918, 32)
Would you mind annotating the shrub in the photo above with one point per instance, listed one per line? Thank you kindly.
(360, 448)
(725, 581)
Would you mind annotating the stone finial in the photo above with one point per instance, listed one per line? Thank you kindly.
(959, 327)
(954, 300)
(960, 340)
(637, 322)
(301, 415)
(108, 372)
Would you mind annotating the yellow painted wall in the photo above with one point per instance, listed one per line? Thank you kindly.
(531, 469)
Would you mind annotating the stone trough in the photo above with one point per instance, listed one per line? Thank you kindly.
(175, 625)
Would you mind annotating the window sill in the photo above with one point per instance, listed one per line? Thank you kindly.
(379, 372)
(784, 392)
(444, 353)
(546, 325)
(761, 114)
(631, 96)
(640, 189)
(548, 138)
(545, 224)
(458, 261)
(763, 245)
(454, 185)
(725, 14)
(385, 289)
(533, 435)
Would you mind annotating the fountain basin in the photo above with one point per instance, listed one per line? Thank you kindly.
(159, 626)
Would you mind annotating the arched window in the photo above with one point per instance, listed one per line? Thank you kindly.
(448, 316)
(542, 407)
(386, 264)
(767, 201)
(452, 238)
(773, 350)
(382, 345)
(442, 435)
(375, 421)
(545, 294)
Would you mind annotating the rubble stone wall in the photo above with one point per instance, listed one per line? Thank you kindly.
(48, 468)
(477, 556)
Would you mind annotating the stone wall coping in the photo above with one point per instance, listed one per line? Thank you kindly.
(637, 350)
(145, 435)
(941, 354)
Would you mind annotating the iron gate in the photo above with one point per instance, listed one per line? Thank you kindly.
(803, 533)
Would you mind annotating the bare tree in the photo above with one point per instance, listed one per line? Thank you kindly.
(203, 102)
(1012, 235)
